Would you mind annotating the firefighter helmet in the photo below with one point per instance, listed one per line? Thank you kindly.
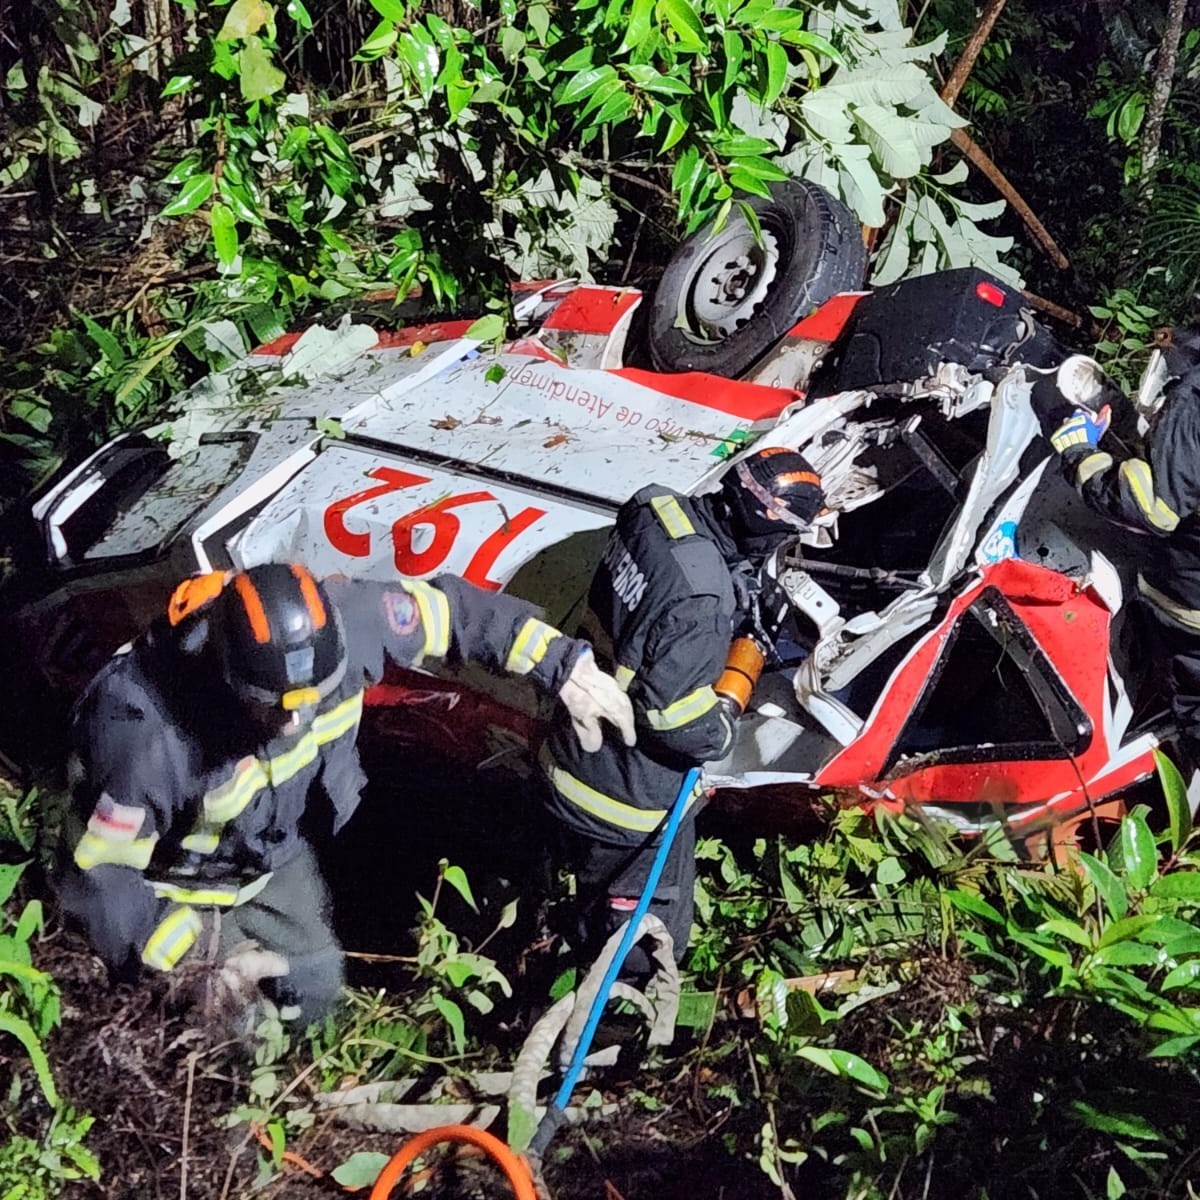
(278, 637)
(772, 494)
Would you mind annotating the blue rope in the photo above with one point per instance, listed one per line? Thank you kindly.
(554, 1114)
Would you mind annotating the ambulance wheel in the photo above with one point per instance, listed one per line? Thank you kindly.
(727, 297)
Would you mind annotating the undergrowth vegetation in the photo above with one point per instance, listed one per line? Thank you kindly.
(879, 1011)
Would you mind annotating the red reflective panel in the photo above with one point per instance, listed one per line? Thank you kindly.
(990, 293)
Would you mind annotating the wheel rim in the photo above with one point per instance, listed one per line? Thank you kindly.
(728, 285)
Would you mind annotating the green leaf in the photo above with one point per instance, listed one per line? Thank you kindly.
(584, 83)
(193, 194)
(1177, 1047)
(244, 18)
(975, 906)
(177, 84)
(23, 1032)
(330, 427)
(1187, 974)
(735, 53)
(682, 18)
(1122, 1124)
(390, 10)
(379, 41)
(224, 233)
(890, 139)
(453, 1016)
(1174, 788)
(638, 29)
(487, 329)
(846, 1065)
(1110, 888)
(777, 61)
(663, 85)
(456, 877)
(1066, 929)
(1178, 885)
(109, 346)
(1139, 856)
(1126, 954)
(10, 874)
(360, 1170)
(420, 52)
(296, 10)
(259, 77)
(539, 20)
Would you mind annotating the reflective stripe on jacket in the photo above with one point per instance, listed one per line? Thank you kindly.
(662, 602)
(1158, 494)
(180, 807)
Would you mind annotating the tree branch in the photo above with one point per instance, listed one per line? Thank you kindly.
(1160, 96)
(977, 155)
(975, 43)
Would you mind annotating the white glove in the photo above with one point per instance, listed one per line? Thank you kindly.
(237, 978)
(591, 696)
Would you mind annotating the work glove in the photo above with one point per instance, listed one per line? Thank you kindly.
(591, 696)
(234, 984)
(1082, 430)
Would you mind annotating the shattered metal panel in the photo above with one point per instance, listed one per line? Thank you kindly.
(592, 431)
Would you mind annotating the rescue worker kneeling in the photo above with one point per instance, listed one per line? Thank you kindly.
(677, 577)
(198, 748)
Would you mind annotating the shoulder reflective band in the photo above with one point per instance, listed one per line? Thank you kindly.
(529, 646)
(685, 710)
(435, 616)
(674, 520)
(228, 800)
(606, 809)
(1136, 474)
(172, 938)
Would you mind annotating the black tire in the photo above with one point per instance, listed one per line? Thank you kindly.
(812, 249)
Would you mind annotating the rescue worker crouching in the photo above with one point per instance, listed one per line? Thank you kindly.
(1157, 494)
(198, 749)
(677, 573)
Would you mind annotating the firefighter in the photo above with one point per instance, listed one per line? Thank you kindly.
(1157, 494)
(676, 577)
(197, 750)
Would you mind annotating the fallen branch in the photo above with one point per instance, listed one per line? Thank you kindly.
(979, 157)
(975, 43)
(1055, 310)
(975, 153)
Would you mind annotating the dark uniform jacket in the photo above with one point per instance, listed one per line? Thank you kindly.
(185, 806)
(1159, 494)
(661, 608)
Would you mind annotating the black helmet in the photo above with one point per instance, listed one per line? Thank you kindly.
(772, 494)
(1181, 348)
(278, 638)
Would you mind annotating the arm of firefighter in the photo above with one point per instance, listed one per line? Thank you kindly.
(448, 618)
(121, 779)
(674, 703)
(1150, 494)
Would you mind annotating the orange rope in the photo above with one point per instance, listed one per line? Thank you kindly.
(515, 1168)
